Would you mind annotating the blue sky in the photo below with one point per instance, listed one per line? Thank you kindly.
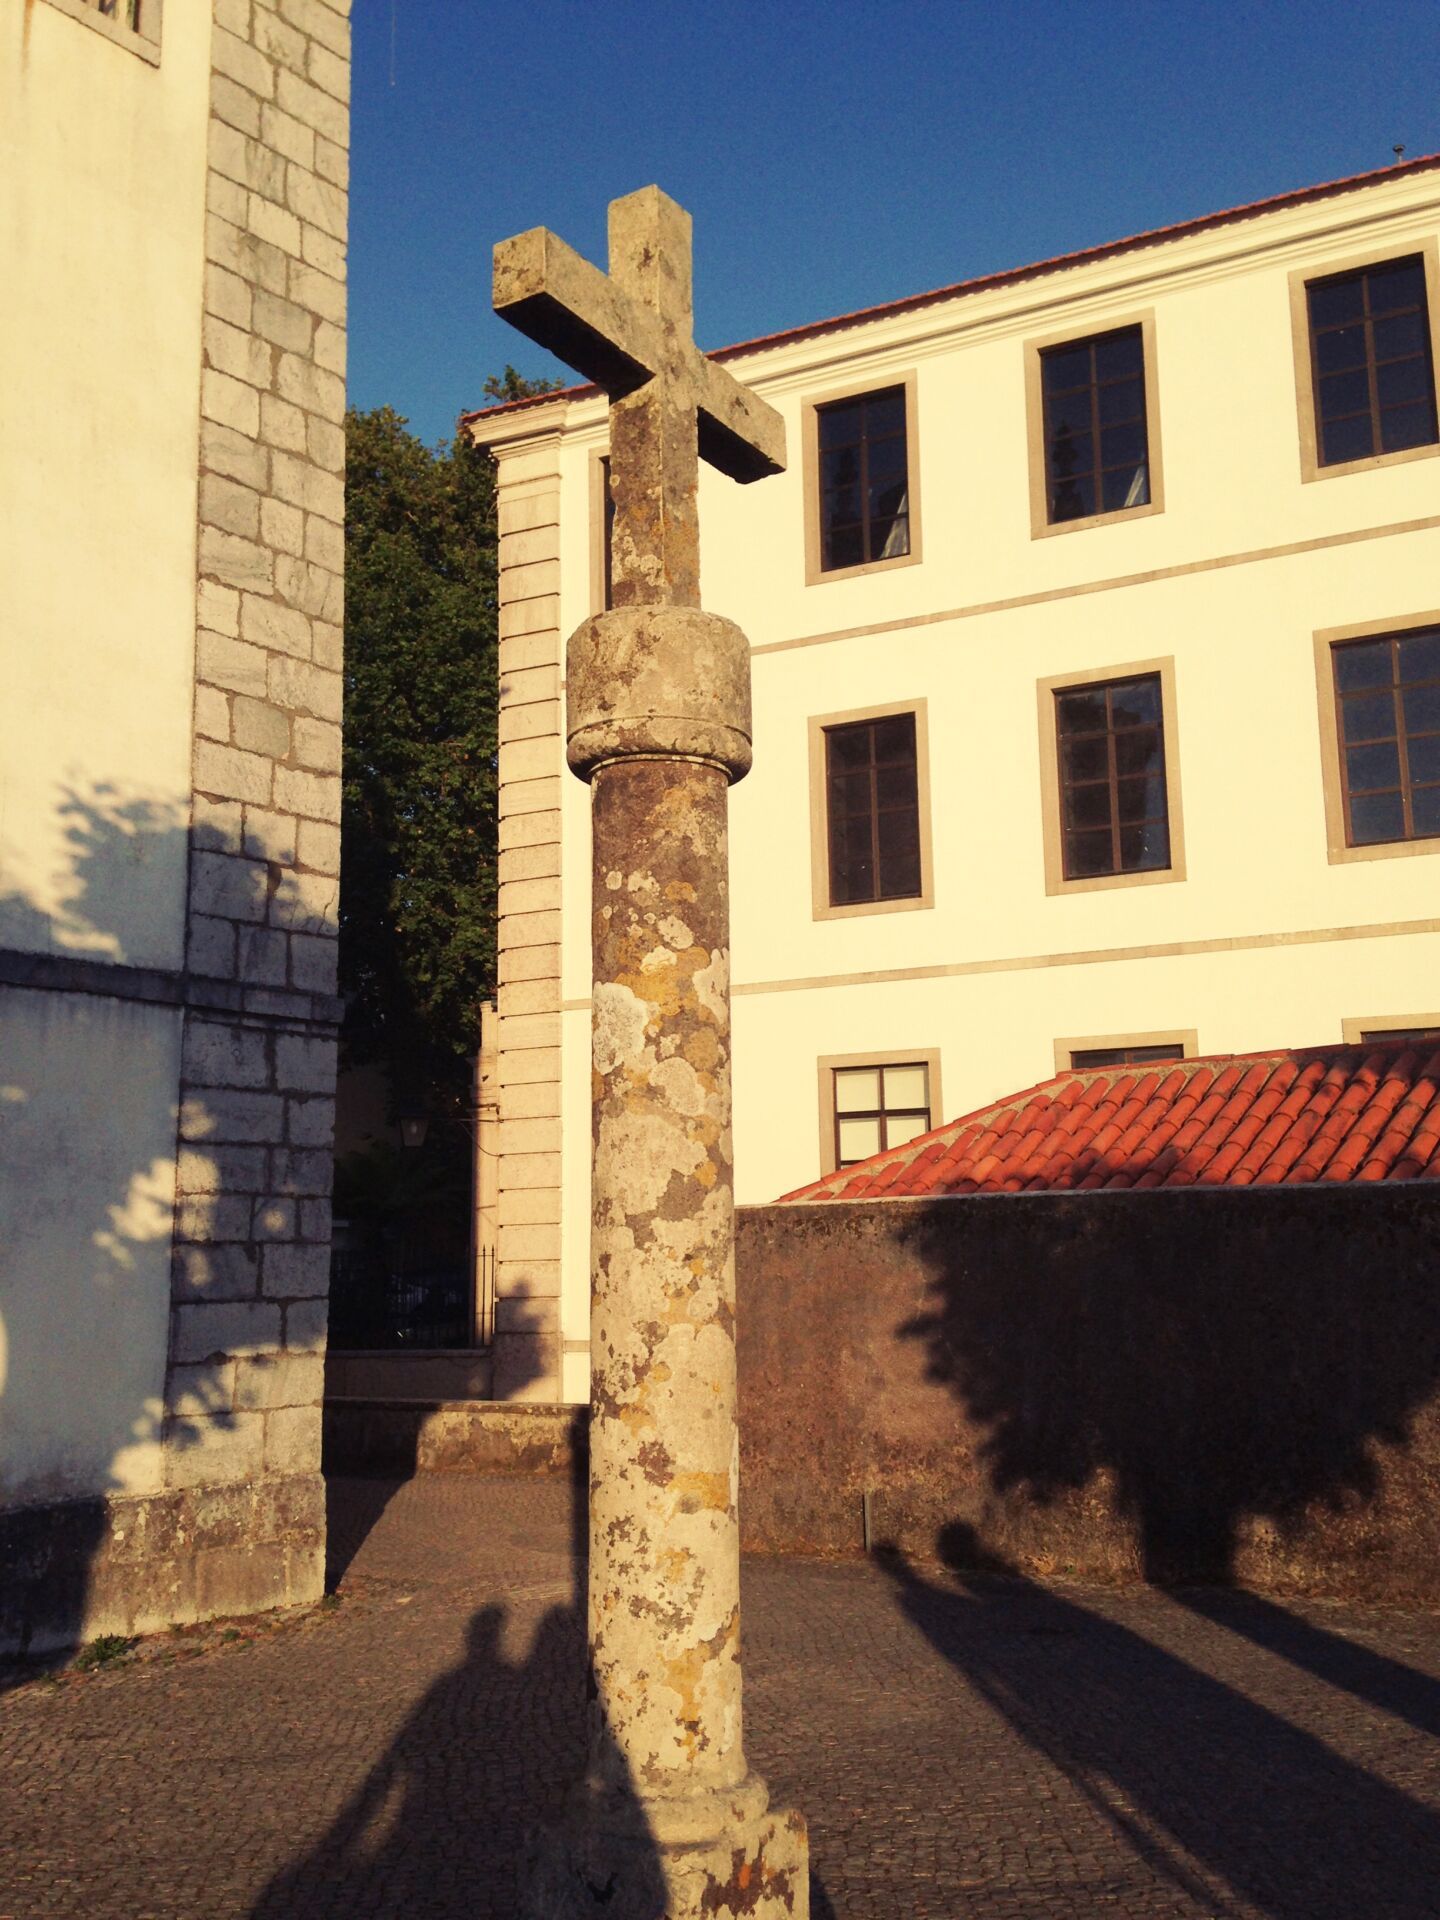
(833, 156)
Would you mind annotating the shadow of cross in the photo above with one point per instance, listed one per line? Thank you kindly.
(631, 332)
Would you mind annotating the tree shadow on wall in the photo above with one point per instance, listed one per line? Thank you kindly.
(1214, 1793)
(1211, 1364)
(87, 1189)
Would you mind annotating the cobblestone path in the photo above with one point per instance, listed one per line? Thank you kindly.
(979, 1750)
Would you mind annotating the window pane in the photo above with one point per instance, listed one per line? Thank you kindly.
(1081, 712)
(1423, 755)
(1346, 440)
(1378, 816)
(1401, 336)
(885, 413)
(850, 794)
(1067, 414)
(1137, 702)
(859, 1139)
(899, 836)
(1087, 758)
(1072, 451)
(1088, 806)
(895, 786)
(906, 1087)
(1363, 665)
(1342, 347)
(840, 468)
(1125, 400)
(1137, 751)
(1367, 768)
(1420, 656)
(1123, 446)
(1066, 367)
(1421, 706)
(1425, 810)
(1344, 393)
(1402, 427)
(847, 747)
(839, 425)
(1399, 283)
(1125, 487)
(1118, 354)
(895, 738)
(844, 547)
(1332, 300)
(901, 1127)
(1144, 848)
(1073, 499)
(1369, 716)
(1400, 380)
(1142, 798)
(857, 1089)
(1088, 855)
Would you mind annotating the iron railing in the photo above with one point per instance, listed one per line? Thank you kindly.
(377, 1302)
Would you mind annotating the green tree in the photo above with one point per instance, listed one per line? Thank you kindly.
(417, 897)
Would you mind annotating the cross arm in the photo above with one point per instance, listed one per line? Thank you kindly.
(740, 433)
(554, 295)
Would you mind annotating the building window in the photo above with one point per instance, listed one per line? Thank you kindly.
(1387, 702)
(1421, 1029)
(1097, 456)
(602, 525)
(1125, 1056)
(1094, 422)
(869, 802)
(1370, 361)
(130, 23)
(1114, 813)
(872, 802)
(860, 467)
(879, 1107)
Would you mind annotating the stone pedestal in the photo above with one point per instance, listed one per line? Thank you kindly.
(669, 1821)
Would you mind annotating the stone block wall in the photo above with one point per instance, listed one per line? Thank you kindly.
(236, 1522)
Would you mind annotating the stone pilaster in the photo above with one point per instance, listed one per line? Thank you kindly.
(527, 1338)
(256, 1110)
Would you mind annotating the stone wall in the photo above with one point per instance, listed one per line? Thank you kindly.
(231, 1517)
(1196, 1386)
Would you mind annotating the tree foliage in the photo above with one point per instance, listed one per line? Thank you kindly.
(417, 897)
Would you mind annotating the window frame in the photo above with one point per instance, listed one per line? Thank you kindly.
(828, 1064)
(820, 904)
(1353, 1031)
(1041, 525)
(143, 40)
(1186, 1038)
(1051, 828)
(1338, 850)
(1300, 279)
(815, 574)
(599, 556)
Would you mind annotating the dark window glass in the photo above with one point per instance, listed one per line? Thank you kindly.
(1125, 1056)
(1114, 815)
(879, 1107)
(1370, 362)
(1097, 457)
(1400, 1033)
(1387, 695)
(864, 482)
(607, 535)
(872, 810)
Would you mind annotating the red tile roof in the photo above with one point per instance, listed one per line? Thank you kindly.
(1153, 237)
(1326, 1114)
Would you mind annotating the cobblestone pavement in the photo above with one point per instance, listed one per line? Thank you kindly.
(982, 1750)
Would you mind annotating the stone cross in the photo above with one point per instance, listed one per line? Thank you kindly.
(630, 332)
(670, 1821)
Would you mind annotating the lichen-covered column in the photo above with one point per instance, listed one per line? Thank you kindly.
(670, 1821)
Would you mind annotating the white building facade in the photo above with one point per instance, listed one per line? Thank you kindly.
(1096, 646)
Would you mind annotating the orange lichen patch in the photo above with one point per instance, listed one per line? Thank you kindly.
(702, 1491)
(1332, 1114)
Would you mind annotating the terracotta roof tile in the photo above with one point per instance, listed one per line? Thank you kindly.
(1319, 1114)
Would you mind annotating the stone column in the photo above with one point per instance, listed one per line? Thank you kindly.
(670, 1820)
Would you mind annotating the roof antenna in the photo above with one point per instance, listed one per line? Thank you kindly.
(1399, 151)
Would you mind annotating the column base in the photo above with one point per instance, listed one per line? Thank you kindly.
(589, 1869)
